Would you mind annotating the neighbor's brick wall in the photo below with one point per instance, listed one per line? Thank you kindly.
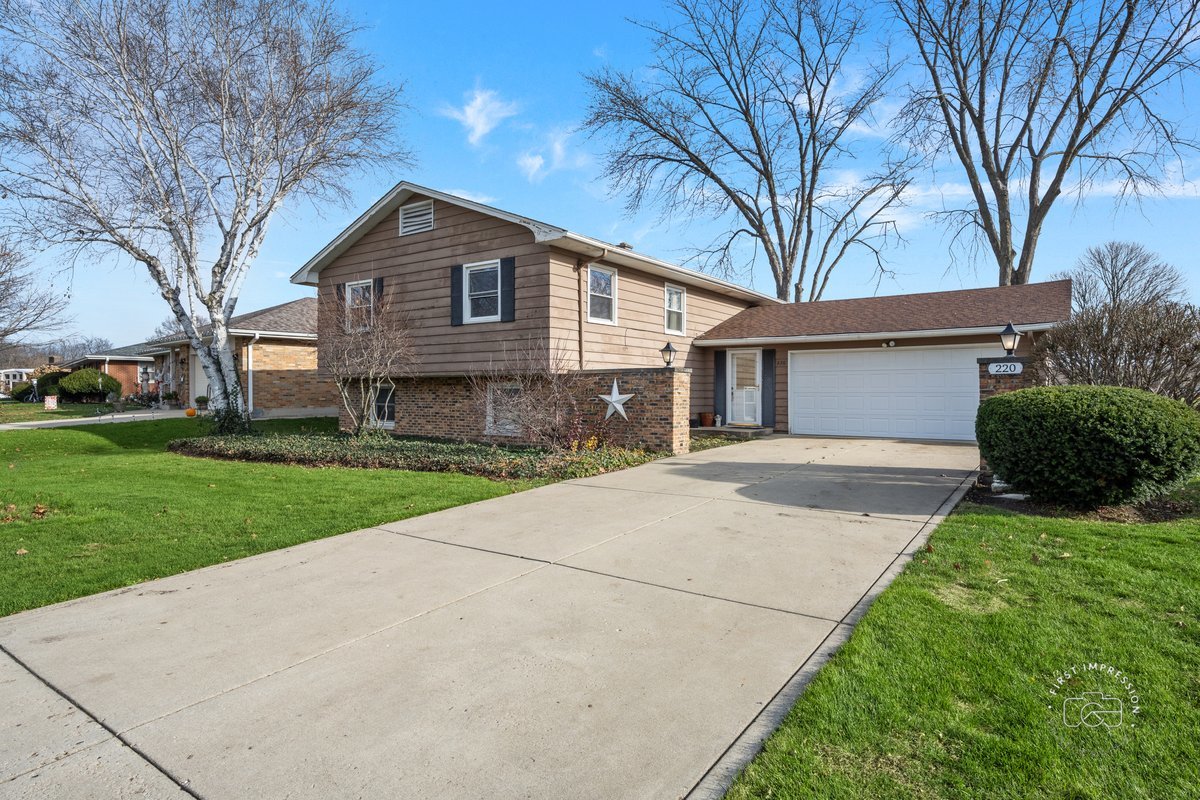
(448, 408)
(285, 376)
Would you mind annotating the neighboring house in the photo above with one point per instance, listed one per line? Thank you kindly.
(276, 351)
(12, 376)
(130, 365)
(474, 283)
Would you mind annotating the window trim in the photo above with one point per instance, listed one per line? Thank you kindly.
(489, 422)
(667, 289)
(412, 207)
(385, 424)
(600, 320)
(466, 292)
(349, 293)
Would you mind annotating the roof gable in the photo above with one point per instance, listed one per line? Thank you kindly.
(543, 233)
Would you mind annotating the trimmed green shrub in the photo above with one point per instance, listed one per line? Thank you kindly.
(1088, 446)
(89, 384)
(421, 455)
(50, 379)
(22, 391)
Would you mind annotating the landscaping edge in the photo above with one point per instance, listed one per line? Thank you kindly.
(738, 755)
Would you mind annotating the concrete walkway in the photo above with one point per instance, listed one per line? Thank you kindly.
(124, 416)
(633, 635)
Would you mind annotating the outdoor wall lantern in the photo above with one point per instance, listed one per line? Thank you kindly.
(668, 354)
(1009, 338)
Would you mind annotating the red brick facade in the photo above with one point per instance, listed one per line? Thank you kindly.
(450, 408)
(990, 384)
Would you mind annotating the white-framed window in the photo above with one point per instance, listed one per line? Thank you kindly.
(481, 292)
(360, 304)
(675, 309)
(501, 410)
(602, 295)
(416, 217)
(383, 405)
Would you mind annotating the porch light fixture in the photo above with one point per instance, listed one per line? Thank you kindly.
(1009, 338)
(668, 354)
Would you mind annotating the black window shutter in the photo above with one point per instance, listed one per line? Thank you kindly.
(719, 385)
(377, 292)
(768, 388)
(456, 295)
(340, 290)
(508, 289)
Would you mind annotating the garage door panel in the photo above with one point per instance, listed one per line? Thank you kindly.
(914, 393)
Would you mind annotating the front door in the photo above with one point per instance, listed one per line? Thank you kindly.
(197, 380)
(745, 399)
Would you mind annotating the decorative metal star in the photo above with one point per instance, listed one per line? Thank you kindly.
(616, 402)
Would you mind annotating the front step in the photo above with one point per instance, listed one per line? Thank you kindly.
(735, 431)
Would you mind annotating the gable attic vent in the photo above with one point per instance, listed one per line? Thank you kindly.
(416, 217)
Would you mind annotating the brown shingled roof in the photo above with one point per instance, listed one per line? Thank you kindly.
(295, 317)
(1029, 304)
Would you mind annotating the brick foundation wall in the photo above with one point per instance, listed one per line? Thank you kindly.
(448, 408)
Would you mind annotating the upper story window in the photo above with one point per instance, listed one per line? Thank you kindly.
(602, 295)
(416, 217)
(481, 300)
(675, 308)
(360, 304)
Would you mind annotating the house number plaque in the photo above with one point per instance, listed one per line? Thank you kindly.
(1006, 368)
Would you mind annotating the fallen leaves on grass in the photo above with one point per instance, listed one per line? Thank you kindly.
(22, 552)
(39, 511)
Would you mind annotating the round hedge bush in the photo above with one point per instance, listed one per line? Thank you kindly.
(1088, 446)
(89, 384)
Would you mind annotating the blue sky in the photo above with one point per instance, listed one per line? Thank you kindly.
(495, 93)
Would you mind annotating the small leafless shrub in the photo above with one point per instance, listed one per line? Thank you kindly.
(364, 351)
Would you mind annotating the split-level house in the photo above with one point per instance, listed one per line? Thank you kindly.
(473, 282)
(276, 352)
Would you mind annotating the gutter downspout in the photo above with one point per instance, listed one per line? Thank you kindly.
(580, 265)
(250, 374)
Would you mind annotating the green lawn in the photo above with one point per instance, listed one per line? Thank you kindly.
(96, 507)
(11, 411)
(943, 690)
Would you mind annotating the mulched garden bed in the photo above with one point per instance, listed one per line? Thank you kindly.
(1161, 509)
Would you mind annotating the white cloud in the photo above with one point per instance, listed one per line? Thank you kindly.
(531, 165)
(481, 113)
(553, 155)
(467, 194)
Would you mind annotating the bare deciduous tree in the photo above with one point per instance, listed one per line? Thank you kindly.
(1131, 327)
(172, 132)
(364, 350)
(25, 307)
(749, 113)
(1124, 274)
(534, 392)
(1034, 98)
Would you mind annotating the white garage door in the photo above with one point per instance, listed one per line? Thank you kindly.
(905, 393)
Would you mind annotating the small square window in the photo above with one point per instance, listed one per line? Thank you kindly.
(602, 295)
(502, 417)
(481, 295)
(675, 309)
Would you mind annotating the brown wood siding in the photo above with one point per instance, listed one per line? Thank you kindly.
(416, 273)
(640, 332)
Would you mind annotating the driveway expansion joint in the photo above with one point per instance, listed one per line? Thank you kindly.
(142, 754)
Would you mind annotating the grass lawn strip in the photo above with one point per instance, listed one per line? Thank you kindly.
(11, 411)
(943, 690)
(87, 509)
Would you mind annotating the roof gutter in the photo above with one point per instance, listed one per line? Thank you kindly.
(869, 335)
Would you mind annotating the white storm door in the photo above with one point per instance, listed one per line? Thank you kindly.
(197, 380)
(745, 396)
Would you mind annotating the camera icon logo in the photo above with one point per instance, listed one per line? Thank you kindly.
(1093, 709)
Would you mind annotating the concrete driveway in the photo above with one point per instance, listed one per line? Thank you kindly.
(633, 635)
